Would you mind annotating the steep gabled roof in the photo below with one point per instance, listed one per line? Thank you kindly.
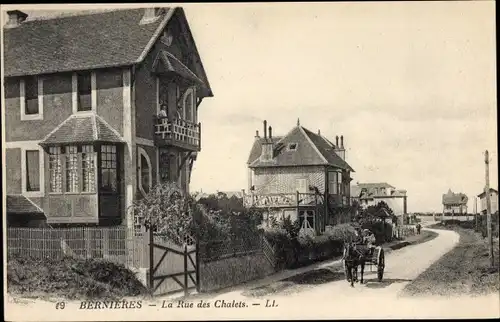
(451, 198)
(311, 149)
(82, 129)
(482, 194)
(374, 185)
(86, 41)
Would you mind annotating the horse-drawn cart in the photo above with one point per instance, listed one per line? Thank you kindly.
(360, 255)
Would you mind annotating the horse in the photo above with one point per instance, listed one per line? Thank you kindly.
(353, 258)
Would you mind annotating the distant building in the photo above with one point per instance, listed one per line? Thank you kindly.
(493, 198)
(454, 203)
(301, 175)
(370, 194)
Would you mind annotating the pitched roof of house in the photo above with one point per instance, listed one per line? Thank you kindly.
(85, 41)
(19, 204)
(169, 63)
(451, 198)
(311, 149)
(374, 185)
(82, 129)
(369, 190)
(482, 194)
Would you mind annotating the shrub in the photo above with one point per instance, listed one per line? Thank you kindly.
(292, 250)
(344, 232)
(72, 278)
(381, 230)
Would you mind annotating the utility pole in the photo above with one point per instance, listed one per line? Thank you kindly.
(475, 211)
(488, 206)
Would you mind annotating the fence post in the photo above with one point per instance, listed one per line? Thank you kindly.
(88, 239)
(197, 268)
(105, 242)
(185, 270)
(150, 238)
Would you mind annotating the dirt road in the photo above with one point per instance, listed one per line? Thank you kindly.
(331, 299)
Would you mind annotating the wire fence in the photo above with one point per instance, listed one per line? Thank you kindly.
(403, 231)
(116, 244)
(222, 249)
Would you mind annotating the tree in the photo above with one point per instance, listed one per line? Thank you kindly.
(167, 210)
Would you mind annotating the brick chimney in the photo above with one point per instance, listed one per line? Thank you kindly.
(151, 15)
(339, 148)
(267, 144)
(16, 17)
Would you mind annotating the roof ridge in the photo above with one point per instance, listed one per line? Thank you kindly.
(95, 127)
(168, 15)
(109, 126)
(58, 127)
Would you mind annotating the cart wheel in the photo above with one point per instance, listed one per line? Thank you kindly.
(380, 265)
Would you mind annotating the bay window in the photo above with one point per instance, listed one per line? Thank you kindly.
(55, 169)
(109, 178)
(73, 168)
(88, 168)
(335, 183)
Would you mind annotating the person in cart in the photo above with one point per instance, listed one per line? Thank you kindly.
(369, 240)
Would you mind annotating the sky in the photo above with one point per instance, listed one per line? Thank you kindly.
(411, 86)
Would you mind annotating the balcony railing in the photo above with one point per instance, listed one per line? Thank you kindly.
(281, 200)
(290, 200)
(178, 132)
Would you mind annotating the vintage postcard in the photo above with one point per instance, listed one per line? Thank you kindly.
(201, 161)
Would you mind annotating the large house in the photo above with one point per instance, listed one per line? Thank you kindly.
(370, 194)
(454, 203)
(493, 199)
(301, 175)
(98, 108)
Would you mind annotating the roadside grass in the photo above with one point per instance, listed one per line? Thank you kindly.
(465, 270)
(70, 278)
(327, 273)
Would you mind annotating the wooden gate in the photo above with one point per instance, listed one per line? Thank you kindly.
(172, 267)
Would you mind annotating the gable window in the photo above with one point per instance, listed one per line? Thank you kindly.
(84, 92)
(292, 146)
(189, 105)
(31, 96)
(32, 170)
(109, 175)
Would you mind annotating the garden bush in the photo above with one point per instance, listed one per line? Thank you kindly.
(71, 278)
(292, 250)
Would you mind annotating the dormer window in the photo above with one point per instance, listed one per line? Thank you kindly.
(292, 146)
